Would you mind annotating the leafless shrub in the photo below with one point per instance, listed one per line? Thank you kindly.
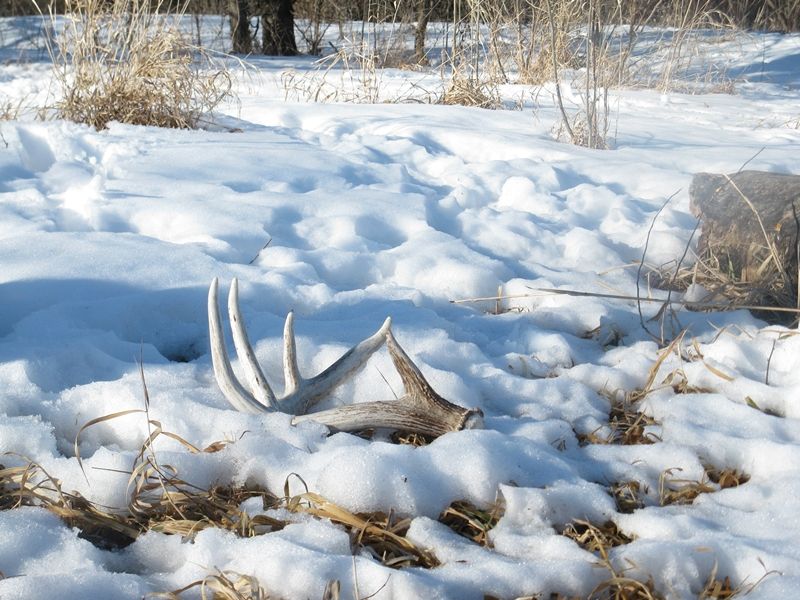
(470, 91)
(342, 77)
(127, 61)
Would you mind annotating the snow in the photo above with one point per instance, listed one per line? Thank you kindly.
(350, 213)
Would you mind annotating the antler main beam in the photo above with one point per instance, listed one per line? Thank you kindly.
(419, 410)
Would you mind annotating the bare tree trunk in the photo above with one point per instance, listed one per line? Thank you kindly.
(277, 28)
(751, 223)
(423, 14)
(240, 26)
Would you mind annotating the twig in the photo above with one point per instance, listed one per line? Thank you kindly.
(769, 361)
(797, 251)
(644, 254)
(675, 275)
(751, 159)
(269, 241)
(553, 52)
(491, 298)
(579, 293)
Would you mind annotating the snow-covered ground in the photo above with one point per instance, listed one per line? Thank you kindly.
(350, 213)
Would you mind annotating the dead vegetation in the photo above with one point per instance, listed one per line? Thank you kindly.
(382, 535)
(628, 496)
(596, 538)
(747, 254)
(469, 91)
(222, 585)
(127, 61)
(674, 489)
(472, 522)
(767, 291)
(627, 426)
(599, 539)
(160, 500)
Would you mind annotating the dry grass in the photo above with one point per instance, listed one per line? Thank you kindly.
(465, 90)
(471, 522)
(348, 75)
(9, 109)
(620, 587)
(726, 478)
(718, 589)
(628, 496)
(728, 287)
(627, 426)
(161, 501)
(181, 509)
(742, 269)
(677, 490)
(597, 539)
(411, 439)
(223, 585)
(381, 534)
(127, 61)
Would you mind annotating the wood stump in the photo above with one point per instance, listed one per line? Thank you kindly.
(750, 230)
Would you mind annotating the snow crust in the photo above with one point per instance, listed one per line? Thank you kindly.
(347, 214)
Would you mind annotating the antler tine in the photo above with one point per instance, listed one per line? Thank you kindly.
(240, 398)
(291, 373)
(253, 373)
(311, 391)
(420, 409)
(420, 393)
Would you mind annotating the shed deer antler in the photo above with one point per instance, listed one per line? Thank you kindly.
(420, 409)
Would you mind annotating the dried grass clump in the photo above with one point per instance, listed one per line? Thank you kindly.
(627, 496)
(471, 522)
(598, 539)
(127, 61)
(675, 490)
(411, 438)
(627, 425)
(161, 501)
(181, 509)
(721, 588)
(348, 75)
(381, 534)
(730, 286)
(31, 485)
(718, 589)
(9, 110)
(463, 90)
(675, 379)
(223, 585)
(620, 587)
(726, 478)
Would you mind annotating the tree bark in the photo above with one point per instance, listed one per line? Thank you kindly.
(420, 31)
(240, 26)
(750, 220)
(277, 28)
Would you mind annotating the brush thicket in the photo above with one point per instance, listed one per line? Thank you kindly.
(128, 61)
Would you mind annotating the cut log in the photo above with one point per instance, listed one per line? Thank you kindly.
(749, 227)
